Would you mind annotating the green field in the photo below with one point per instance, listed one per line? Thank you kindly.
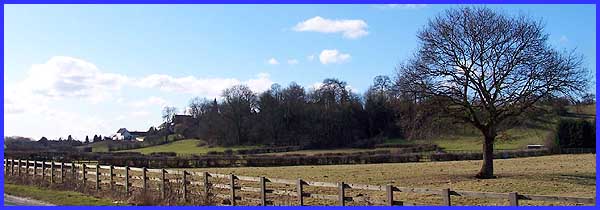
(511, 139)
(185, 147)
(517, 138)
(57, 197)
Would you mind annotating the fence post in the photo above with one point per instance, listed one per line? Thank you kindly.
(84, 174)
(97, 177)
(73, 171)
(51, 172)
(389, 189)
(62, 172)
(144, 179)
(126, 179)
(513, 199)
(184, 186)
(112, 175)
(12, 167)
(162, 184)
(263, 191)
(206, 185)
(446, 197)
(26, 167)
(299, 187)
(232, 187)
(34, 169)
(43, 170)
(19, 167)
(342, 195)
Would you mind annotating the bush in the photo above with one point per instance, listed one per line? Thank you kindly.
(576, 133)
(201, 144)
(212, 153)
(169, 154)
(228, 152)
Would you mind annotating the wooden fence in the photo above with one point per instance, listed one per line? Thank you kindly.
(100, 176)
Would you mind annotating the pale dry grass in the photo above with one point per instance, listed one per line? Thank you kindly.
(560, 175)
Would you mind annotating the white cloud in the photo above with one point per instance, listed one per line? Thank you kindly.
(35, 106)
(273, 61)
(261, 83)
(139, 113)
(333, 56)
(310, 57)
(208, 87)
(353, 89)
(351, 29)
(153, 100)
(563, 39)
(63, 76)
(401, 6)
(11, 106)
(316, 85)
(292, 61)
(37, 118)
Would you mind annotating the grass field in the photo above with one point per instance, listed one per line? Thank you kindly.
(516, 138)
(61, 198)
(185, 147)
(560, 175)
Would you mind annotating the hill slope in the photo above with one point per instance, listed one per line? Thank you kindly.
(185, 147)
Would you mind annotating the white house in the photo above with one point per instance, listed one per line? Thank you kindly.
(124, 134)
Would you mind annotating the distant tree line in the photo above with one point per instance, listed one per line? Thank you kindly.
(328, 116)
(43, 144)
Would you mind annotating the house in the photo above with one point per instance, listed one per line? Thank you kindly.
(124, 134)
(182, 119)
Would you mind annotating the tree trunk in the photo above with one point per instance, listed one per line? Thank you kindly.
(487, 169)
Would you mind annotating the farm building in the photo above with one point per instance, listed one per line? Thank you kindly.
(124, 134)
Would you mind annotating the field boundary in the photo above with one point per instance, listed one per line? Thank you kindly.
(96, 176)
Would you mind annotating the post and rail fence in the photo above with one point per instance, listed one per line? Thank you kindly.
(109, 177)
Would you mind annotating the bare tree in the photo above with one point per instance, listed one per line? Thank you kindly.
(488, 67)
(239, 105)
(198, 106)
(168, 113)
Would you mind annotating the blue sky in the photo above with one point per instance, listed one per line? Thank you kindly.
(91, 69)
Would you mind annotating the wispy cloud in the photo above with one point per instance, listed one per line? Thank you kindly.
(563, 39)
(208, 87)
(273, 61)
(351, 29)
(292, 61)
(333, 56)
(151, 101)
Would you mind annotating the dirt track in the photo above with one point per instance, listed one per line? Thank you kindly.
(10, 200)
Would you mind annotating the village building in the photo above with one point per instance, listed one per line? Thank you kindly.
(126, 135)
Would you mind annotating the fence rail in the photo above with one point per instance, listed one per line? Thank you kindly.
(90, 174)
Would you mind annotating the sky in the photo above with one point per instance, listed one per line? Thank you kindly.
(92, 69)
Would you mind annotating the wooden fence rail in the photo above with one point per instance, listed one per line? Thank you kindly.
(123, 176)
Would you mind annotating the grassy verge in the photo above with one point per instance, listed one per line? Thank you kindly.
(61, 198)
